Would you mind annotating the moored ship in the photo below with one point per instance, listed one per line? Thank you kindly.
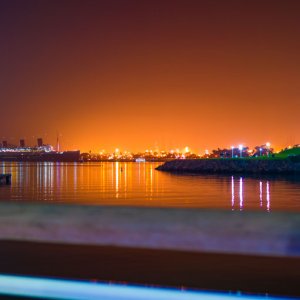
(39, 153)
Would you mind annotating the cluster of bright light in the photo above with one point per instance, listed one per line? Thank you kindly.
(44, 148)
(28, 149)
(176, 153)
(120, 154)
(241, 146)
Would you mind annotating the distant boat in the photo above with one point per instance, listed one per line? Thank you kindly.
(140, 159)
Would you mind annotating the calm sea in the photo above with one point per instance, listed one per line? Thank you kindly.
(139, 184)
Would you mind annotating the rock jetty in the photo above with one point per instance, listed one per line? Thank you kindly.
(263, 166)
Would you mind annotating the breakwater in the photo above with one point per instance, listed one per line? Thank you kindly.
(254, 166)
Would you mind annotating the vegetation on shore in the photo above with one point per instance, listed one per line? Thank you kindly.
(288, 152)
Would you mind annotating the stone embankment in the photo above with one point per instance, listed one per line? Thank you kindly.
(263, 166)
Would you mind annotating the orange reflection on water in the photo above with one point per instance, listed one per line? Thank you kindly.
(139, 184)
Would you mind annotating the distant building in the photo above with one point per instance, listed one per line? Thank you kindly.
(4, 144)
(22, 143)
(40, 142)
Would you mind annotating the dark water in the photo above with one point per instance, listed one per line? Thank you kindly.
(140, 184)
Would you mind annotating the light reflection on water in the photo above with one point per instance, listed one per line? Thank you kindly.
(262, 195)
(140, 184)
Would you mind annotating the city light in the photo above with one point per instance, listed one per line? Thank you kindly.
(241, 150)
(9, 150)
(268, 144)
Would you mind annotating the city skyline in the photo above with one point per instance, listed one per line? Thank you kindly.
(39, 144)
(142, 74)
(58, 144)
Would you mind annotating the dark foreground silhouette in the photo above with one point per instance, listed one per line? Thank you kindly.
(206, 271)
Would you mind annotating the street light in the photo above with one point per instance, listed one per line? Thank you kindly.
(241, 150)
(260, 149)
(232, 147)
(268, 148)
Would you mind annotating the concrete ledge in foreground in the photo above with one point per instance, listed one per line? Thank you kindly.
(217, 231)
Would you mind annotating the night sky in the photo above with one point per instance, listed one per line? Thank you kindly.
(143, 74)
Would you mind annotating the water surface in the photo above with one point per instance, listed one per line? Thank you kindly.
(139, 184)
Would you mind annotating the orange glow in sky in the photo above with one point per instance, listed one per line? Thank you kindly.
(136, 75)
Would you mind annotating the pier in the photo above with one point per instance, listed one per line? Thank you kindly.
(5, 178)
